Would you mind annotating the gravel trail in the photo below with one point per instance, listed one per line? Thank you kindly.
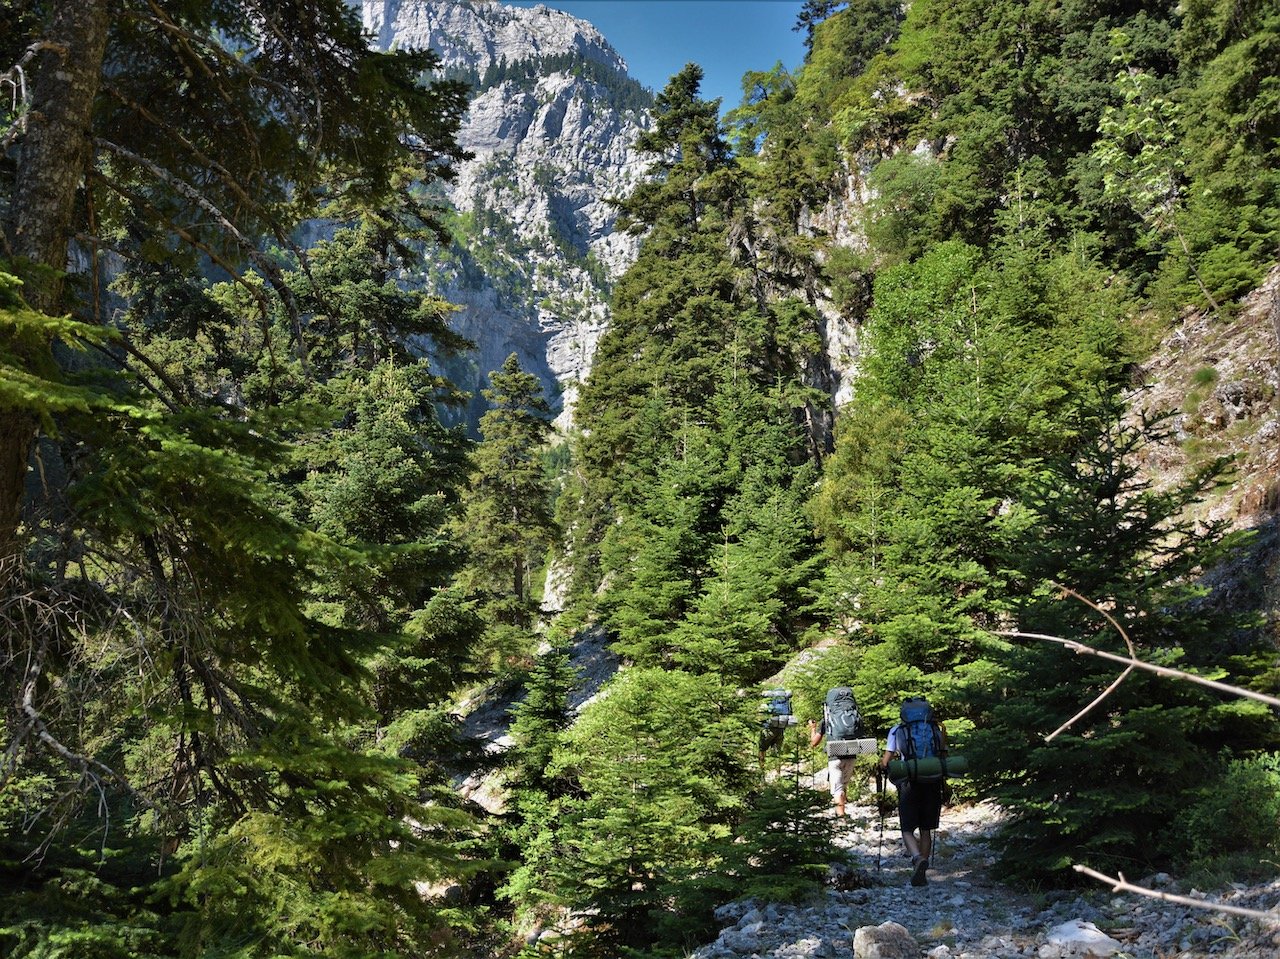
(964, 914)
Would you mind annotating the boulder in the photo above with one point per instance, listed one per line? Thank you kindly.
(1077, 939)
(888, 940)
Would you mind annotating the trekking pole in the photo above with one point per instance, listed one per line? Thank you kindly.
(880, 810)
(937, 839)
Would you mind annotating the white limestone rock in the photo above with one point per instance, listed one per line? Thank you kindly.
(889, 940)
(1077, 939)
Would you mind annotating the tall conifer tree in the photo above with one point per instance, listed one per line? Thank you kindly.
(509, 524)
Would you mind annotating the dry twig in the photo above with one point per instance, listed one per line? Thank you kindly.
(15, 79)
(1121, 884)
(1134, 663)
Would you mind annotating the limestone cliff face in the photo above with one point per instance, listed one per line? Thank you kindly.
(551, 126)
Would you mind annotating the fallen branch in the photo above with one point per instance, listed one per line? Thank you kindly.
(1122, 885)
(1084, 712)
(91, 769)
(1068, 591)
(1166, 671)
(1132, 662)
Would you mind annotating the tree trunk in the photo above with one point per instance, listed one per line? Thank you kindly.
(51, 161)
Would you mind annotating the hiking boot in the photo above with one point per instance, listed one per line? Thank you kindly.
(917, 877)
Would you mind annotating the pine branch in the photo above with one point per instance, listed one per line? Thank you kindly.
(176, 134)
(186, 42)
(270, 270)
(186, 236)
(207, 162)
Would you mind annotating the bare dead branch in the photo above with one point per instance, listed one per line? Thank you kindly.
(1084, 712)
(1067, 590)
(35, 619)
(1165, 671)
(1131, 663)
(1120, 884)
(15, 80)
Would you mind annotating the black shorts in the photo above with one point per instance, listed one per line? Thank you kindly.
(771, 737)
(919, 805)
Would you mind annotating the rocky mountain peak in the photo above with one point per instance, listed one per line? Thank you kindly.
(551, 125)
(480, 33)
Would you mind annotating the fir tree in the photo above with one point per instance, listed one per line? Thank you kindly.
(193, 151)
(509, 522)
(660, 759)
(1112, 789)
(227, 728)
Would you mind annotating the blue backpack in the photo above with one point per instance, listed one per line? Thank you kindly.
(918, 735)
(777, 704)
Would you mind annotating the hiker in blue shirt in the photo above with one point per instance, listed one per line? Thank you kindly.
(919, 799)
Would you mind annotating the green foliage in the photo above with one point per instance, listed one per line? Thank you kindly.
(1232, 215)
(666, 399)
(843, 45)
(1105, 792)
(80, 913)
(661, 761)
(541, 716)
(241, 511)
(32, 380)
(271, 563)
(783, 847)
(905, 186)
(508, 522)
(1237, 811)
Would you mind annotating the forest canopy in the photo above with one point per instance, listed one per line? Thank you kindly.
(254, 569)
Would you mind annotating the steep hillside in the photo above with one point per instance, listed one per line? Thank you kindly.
(550, 127)
(1219, 378)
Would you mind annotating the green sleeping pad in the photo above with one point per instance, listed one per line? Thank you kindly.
(929, 769)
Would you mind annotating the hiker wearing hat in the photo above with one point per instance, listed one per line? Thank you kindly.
(918, 736)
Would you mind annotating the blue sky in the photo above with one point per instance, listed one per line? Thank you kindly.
(725, 37)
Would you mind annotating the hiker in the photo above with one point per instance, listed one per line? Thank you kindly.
(776, 705)
(917, 736)
(840, 723)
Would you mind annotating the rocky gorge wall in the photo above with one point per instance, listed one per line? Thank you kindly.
(535, 249)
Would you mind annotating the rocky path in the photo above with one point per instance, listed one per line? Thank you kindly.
(963, 914)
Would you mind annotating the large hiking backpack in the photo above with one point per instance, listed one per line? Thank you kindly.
(918, 736)
(777, 704)
(844, 725)
(841, 714)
